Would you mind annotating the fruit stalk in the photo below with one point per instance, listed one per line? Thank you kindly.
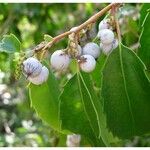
(91, 20)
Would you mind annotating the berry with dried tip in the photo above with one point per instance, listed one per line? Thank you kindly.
(106, 36)
(60, 60)
(31, 67)
(91, 49)
(87, 63)
(41, 78)
(104, 25)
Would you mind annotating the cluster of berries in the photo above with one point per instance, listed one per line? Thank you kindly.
(86, 56)
(88, 53)
(107, 37)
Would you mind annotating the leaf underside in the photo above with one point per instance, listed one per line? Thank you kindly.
(10, 44)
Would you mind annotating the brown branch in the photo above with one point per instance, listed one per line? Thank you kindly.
(80, 27)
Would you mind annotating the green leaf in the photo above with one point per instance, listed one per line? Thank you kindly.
(143, 12)
(74, 115)
(10, 44)
(96, 74)
(47, 38)
(83, 113)
(126, 94)
(45, 100)
(94, 103)
(144, 50)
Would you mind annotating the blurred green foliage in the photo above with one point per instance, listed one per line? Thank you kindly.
(19, 124)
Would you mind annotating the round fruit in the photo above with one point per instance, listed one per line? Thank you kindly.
(91, 49)
(106, 48)
(106, 36)
(60, 60)
(32, 67)
(41, 78)
(87, 63)
(104, 24)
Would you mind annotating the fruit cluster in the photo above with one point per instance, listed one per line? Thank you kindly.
(86, 55)
(89, 52)
(107, 37)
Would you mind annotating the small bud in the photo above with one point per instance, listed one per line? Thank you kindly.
(87, 63)
(41, 78)
(60, 60)
(106, 36)
(91, 49)
(74, 29)
(31, 67)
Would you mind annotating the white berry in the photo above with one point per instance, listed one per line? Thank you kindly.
(106, 36)
(73, 140)
(41, 78)
(104, 25)
(91, 49)
(87, 63)
(60, 60)
(106, 48)
(32, 67)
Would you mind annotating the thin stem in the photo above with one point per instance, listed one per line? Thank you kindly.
(82, 26)
(117, 23)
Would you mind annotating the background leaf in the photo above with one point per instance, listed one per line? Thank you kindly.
(10, 44)
(144, 50)
(44, 99)
(126, 93)
(143, 12)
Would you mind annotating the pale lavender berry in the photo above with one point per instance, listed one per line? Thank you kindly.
(60, 60)
(104, 24)
(91, 49)
(31, 67)
(87, 63)
(41, 78)
(106, 36)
